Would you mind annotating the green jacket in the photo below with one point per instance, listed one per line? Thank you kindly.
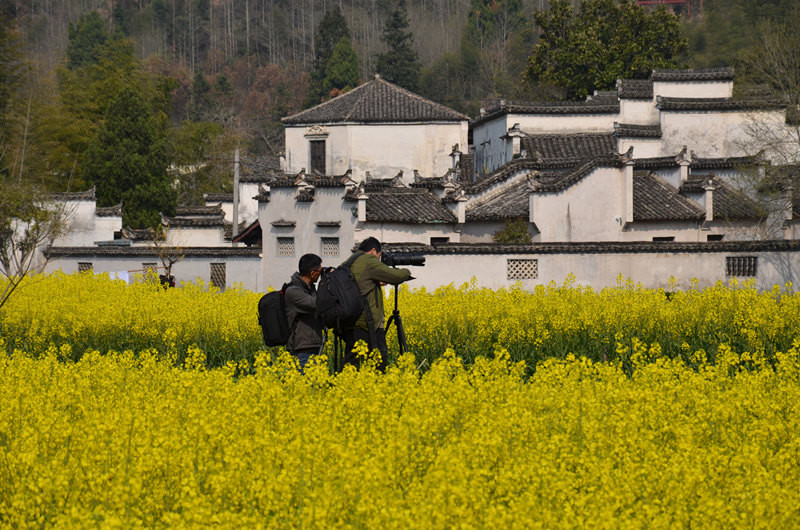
(369, 272)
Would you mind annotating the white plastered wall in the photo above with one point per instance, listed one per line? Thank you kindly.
(382, 149)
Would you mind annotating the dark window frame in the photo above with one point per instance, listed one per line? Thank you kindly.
(316, 156)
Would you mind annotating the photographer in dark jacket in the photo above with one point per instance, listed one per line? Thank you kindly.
(370, 274)
(305, 338)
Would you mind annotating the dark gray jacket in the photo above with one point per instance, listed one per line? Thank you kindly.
(301, 311)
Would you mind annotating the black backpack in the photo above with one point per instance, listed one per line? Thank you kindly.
(272, 318)
(339, 302)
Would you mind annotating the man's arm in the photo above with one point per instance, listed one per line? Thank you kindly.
(300, 300)
(379, 272)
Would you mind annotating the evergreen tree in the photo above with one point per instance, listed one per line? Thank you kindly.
(400, 64)
(604, 41)
(201, 103)
(332, 29)
(86, 40)
(341, 73)
(128, 161)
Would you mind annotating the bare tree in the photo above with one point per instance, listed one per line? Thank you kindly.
(770, 84)
(29, 222)
(169, 253)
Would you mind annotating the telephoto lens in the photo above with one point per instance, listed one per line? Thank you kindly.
(402, 259)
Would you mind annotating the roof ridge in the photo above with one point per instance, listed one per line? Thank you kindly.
(357, 96)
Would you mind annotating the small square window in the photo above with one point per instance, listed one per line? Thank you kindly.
(741, 265)
(285, 246)
(330, 246)
(147, 267)
(84, 266)
(522, 269)
(439, 240)
(714, 237)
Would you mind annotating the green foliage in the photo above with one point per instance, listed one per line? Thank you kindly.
(514, 231)
(128, 161)
(728, 29)
(603, 41)
(86, 40)
(400, 64)
(331, 30)
(201, 151)
(341, 73)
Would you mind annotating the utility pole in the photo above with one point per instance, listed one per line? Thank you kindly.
(235, 215)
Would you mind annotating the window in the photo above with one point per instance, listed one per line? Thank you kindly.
(318, 156)
(84, 266)
(218, 275)
(439, 240)
(741, 265)
(522, 269)
(150, 267)
(664, 238)
(285, 246)
(330, 246)
(714, 237)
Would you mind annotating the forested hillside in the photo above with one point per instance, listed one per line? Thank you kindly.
(200, 77)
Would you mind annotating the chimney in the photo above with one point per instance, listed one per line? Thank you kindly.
(628, 197)
(516, 136)
(683, 161)
(455, 154)
(709, 187)
(362, 207)
(461, 208)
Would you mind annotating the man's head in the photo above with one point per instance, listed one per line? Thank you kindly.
(371, 245)
(310, 267)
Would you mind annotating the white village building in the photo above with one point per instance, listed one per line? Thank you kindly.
(641, 182)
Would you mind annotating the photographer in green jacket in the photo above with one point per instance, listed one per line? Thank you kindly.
(371, 274)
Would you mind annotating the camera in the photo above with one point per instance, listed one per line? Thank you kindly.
(398, 259)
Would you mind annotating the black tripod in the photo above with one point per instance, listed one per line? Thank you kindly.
(398, 322)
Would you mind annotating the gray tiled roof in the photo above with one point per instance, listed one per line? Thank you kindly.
(124, 251)
(218, 197)
(110, 211)
(693, 74)
(656, 200)
(601, 105)
(376, 101)
(574, 146)
(730, 162)
(549, 182)
(195, 221)
(87, 195)
(635, 88)
(406, 205)
(510, 203)
(520, 164)
(318, 181)
(718, 104)
(137, 234)
(628, 130)
(731, 204)
(728, 202)
(628, 247)
(660, 162)
(184, 211)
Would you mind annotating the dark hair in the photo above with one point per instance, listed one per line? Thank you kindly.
(370, 243)
(308, 263)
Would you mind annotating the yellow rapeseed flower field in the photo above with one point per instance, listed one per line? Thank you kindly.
(130, 406)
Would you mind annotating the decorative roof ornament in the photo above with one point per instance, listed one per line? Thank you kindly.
(397, 180)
